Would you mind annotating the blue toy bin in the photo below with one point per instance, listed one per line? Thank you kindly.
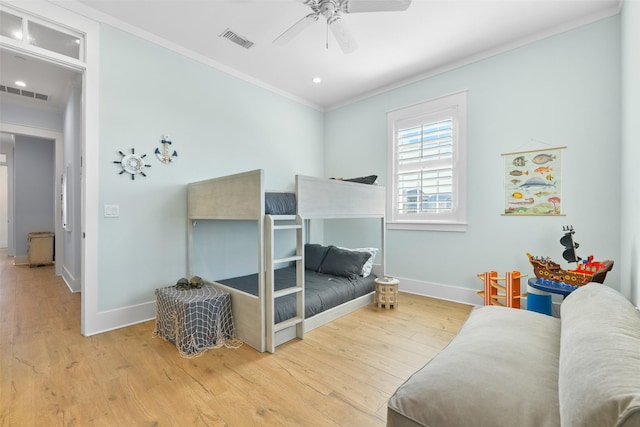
(539, 303)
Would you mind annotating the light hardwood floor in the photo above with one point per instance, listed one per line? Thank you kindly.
(341, 374)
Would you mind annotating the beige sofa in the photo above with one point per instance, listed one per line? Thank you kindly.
(511, 367)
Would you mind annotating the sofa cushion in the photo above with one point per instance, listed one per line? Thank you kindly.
(599, 373)
(500, 370)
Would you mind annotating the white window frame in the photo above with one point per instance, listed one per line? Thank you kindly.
(24, 41)
(454, 106)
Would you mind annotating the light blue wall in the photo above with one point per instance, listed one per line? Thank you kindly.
(34, 180)
(218, 124)
(630, 149)
(563, 91)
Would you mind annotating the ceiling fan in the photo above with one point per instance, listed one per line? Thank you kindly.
(332, 10)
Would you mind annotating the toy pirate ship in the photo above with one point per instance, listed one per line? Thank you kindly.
(586, 270)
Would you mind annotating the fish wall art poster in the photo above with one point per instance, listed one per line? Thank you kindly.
(533, 182)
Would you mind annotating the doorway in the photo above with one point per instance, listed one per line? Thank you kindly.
(15, 243)
(83, 61)
(33, 203)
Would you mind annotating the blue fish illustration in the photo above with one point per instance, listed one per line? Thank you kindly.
(536, 181)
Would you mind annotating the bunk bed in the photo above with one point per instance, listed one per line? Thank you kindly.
(257, 299)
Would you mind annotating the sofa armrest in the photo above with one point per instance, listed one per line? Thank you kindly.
(599, 371)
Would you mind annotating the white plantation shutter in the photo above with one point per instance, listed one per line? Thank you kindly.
(427, 163)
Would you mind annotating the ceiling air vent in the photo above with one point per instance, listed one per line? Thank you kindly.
(237, 39)
(26, 93)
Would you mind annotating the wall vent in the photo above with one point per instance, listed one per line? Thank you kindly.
(236, 38)
(25, 93)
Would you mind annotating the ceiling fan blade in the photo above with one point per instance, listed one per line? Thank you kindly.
(358, 6)
(296, 29)
(342, 34)
(311, 3)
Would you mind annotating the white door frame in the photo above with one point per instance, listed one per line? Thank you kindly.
(58, 13)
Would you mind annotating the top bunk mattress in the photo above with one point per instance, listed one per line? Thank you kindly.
(322, 291)
(280, 203)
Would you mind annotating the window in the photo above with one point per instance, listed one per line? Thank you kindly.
(54, 40)
(23, 30)
(427, 165)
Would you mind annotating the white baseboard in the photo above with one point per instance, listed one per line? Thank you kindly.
(21, 260)
(127, 316)
(121, 317)
(454, 293)
(73, 283)
(440, 291)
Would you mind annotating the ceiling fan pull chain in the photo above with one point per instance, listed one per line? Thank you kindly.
(326, 33)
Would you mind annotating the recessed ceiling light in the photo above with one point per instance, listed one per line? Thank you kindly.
(317, 80)
(20, 83)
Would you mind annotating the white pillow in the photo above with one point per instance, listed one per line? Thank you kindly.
(368, 266)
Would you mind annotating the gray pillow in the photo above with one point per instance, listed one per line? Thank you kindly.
(364, 179)
(345, 263)
(313, 256)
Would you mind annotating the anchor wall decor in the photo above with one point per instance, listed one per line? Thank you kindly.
(164, 155)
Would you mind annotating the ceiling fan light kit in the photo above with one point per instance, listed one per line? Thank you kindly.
(332, 11)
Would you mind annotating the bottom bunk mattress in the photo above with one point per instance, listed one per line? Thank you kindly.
(321, 291)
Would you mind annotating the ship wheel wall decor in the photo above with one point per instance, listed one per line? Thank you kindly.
(132, 164)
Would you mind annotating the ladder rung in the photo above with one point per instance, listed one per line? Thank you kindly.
(286, 323)
(287, 259)
(287, 291)
(283, 217)
(287, 227)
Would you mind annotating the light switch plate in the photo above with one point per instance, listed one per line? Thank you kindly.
(111, 211)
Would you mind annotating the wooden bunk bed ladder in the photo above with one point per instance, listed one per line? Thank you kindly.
(274, 223)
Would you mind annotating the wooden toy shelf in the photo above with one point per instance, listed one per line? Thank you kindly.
(507, 294)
